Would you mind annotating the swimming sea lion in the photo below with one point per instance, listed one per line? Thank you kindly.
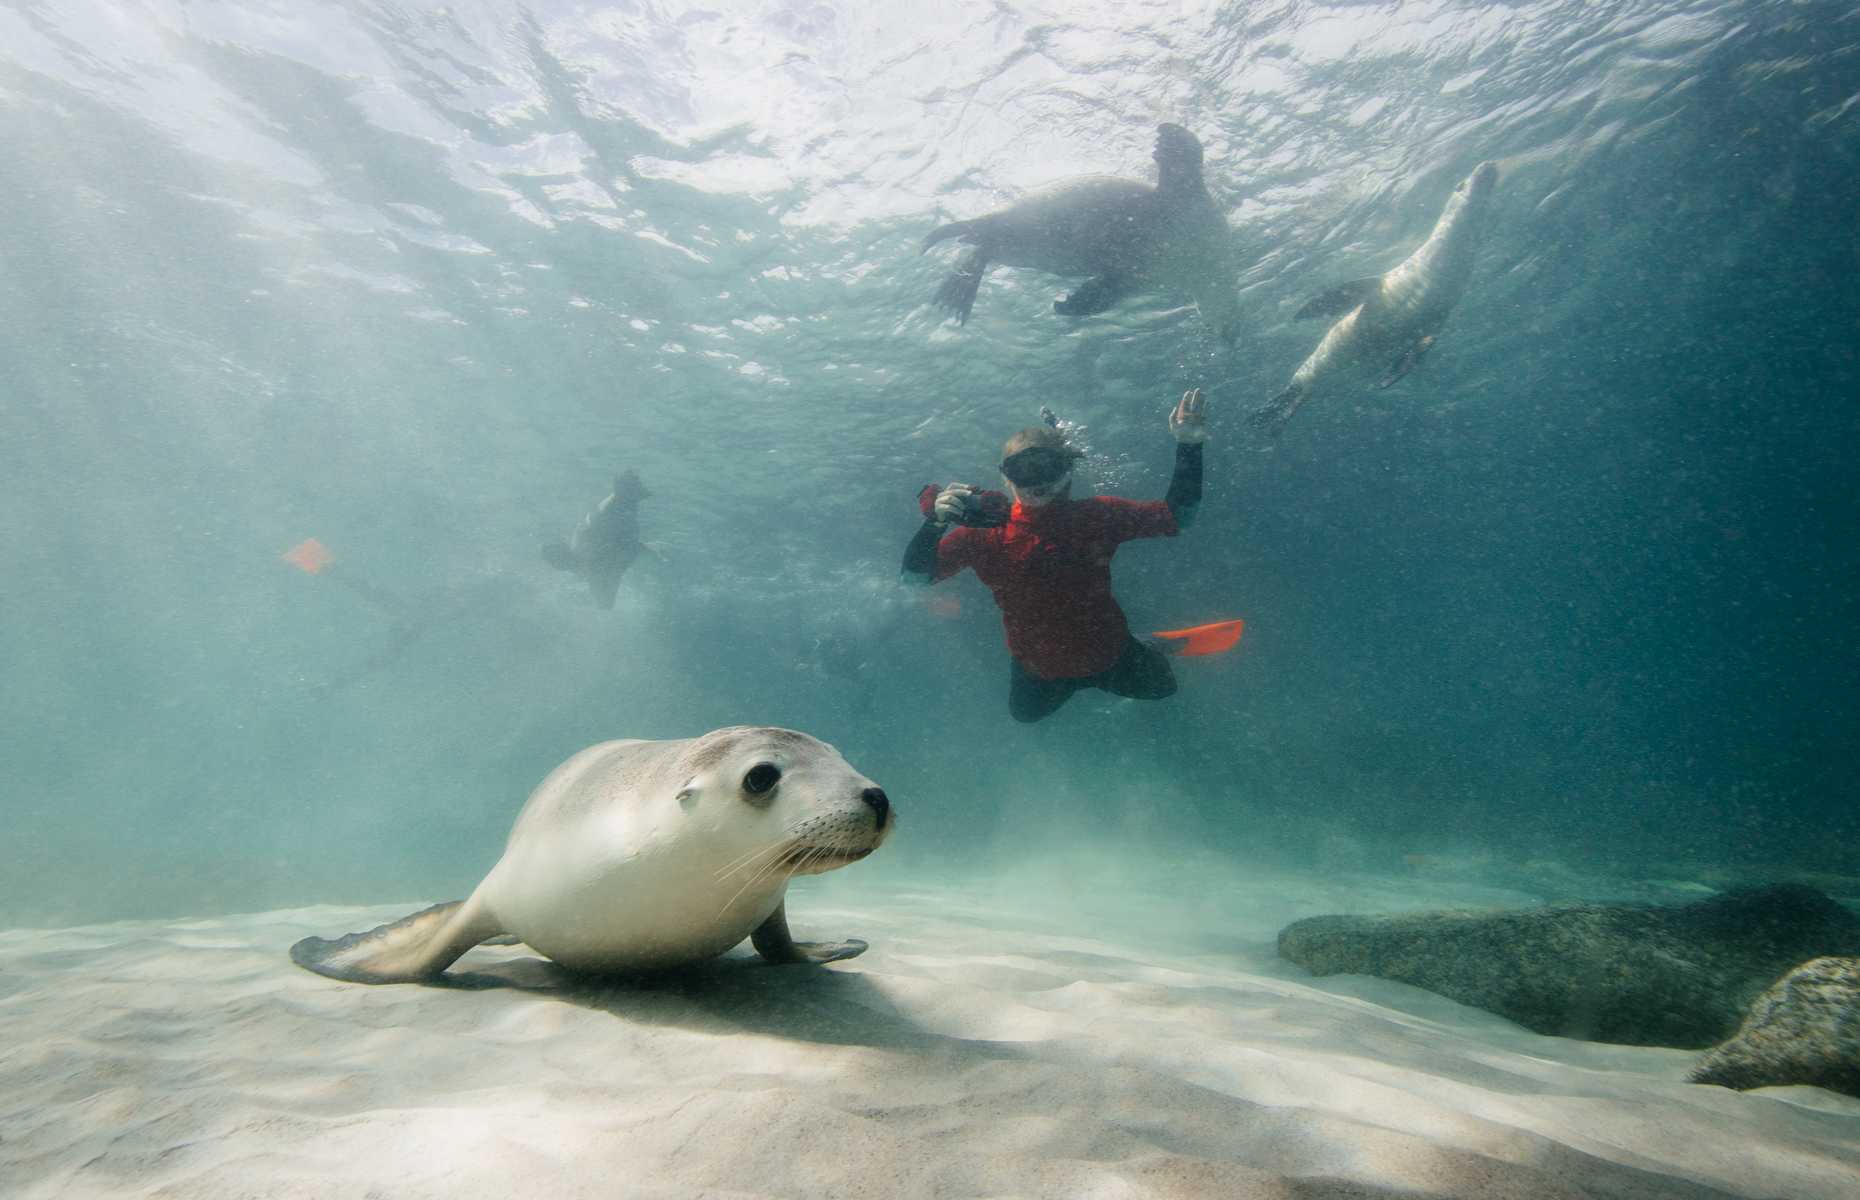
(1389, 321)
(1127, 236)
(636, 855)
(607, 541)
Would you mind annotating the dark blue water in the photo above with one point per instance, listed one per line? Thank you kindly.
(416, 280)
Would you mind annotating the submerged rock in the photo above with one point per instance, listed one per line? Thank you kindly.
(1804, 1029)
(1636, 974)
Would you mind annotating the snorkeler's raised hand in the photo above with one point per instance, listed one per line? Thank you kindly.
(952, 502)
(1189, 422)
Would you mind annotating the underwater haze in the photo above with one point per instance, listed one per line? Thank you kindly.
(416, 280)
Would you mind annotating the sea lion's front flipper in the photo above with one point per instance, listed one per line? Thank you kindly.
(966, 230)
(1278, 410)
(1094, 295)
(1335, 301)
(1407, 362)
(774, 943)
(414, 949)
(958, 291)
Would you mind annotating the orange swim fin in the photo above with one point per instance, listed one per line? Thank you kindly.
(1217, 638)
(309, 556)
(314, 558)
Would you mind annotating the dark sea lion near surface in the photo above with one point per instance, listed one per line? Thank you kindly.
(1385, 323)
(607, 541)
(1126, 237)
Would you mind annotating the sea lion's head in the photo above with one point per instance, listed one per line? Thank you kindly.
(784, 801)
(1178, 157)
(1471, 198)
(1480, 183)
(627, 486)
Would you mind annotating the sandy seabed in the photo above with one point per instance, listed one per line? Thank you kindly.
(1060, 1032)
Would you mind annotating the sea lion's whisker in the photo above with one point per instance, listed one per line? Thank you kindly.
(742, 861)
(765, 871)
(784, 843)
(812, 855)
(789, 853)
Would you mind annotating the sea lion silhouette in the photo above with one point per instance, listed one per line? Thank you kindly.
(1385, 323)
(1128, 237)
(607, 541)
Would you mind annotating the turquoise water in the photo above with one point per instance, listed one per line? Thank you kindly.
(416, 280)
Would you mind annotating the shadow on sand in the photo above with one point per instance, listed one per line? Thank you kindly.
(737, 993)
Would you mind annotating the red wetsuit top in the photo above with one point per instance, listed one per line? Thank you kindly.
(1049, 568)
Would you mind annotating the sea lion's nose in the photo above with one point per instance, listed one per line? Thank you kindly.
(881, 806)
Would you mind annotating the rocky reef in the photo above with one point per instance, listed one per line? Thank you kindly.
(1804, 1029)
(1652, 975)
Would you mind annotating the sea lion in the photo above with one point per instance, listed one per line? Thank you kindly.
(640, 855)
(607, 541)
(1390, 320)
(1127, 236)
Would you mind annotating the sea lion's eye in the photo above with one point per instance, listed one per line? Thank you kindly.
(761, 778)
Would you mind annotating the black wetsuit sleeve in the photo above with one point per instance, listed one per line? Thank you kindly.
(1185, 488)
(920, 555)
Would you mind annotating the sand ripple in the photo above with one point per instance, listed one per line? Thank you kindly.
(965, 1055)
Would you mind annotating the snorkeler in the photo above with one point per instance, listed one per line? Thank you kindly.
(1047, 559)
(607, 541)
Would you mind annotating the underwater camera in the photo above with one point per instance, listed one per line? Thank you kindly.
(981, 509)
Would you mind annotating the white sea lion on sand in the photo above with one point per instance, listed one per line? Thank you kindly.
(640, 855)
(1389, 321)
(1128, 237)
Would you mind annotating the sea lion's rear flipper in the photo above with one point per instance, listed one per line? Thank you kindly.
(1407, 362)
(415, 949)
(774, 943)
(1093, 296)
(604, 586)
(958, 291)
(1335, 301)
(1278, 410)
(559, 556)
